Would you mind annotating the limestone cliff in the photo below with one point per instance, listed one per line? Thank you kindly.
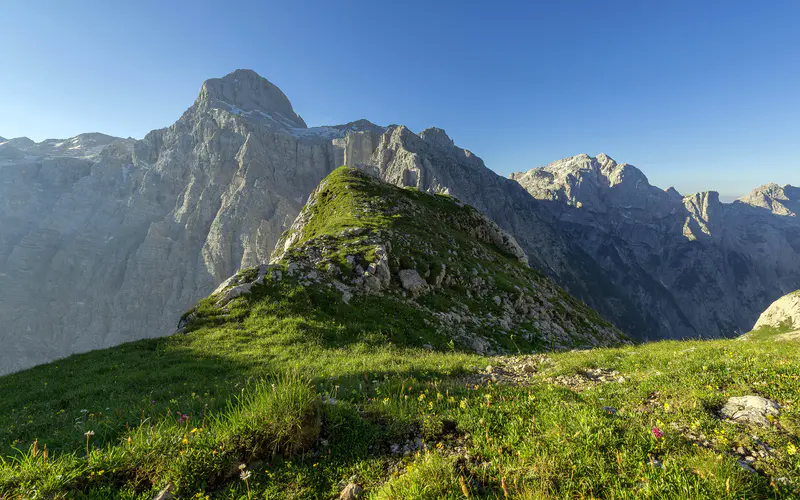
(709, 267)
(105, 240)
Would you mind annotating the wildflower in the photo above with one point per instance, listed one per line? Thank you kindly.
(657, 432)
(791, 449)
(183, 419)
(463, 403)
(194, 430)
(244, 475)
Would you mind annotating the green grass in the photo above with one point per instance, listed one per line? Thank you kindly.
(290, 393)
(767, 332)
(347, 392)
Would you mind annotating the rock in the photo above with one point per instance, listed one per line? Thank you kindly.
(606, 203)
(233, 292)
(162, 221)
(167, 493)
(783, 314)
(753, 410)
(746, 466)
(118, 227)
(480, 345)
(351, 492)
(610, 410)
(412, 281)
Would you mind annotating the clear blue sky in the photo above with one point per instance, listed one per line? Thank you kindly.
(698, 94)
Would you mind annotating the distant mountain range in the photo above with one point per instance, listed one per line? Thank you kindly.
(106, 240)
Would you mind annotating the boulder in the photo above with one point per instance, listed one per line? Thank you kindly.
(412, 281)
(753, 410)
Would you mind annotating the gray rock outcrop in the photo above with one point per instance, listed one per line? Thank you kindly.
(106, 240)
(783, 313)
(752, 410)
(704, 268)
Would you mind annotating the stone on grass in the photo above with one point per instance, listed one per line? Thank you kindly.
(753, 410)
(412, 281)
(351, 492)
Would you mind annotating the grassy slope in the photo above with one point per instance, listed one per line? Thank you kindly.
(307, 392)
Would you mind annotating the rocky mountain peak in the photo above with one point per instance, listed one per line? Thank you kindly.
(21, 143)
(437, 137)
(245, 92)
(595, 183)
(781, 200)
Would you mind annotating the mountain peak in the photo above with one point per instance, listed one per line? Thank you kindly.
(245, 92)
(781, 200)
(436, 136)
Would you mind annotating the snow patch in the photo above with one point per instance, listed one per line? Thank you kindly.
(321, 132)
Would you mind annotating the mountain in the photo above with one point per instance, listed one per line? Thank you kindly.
(780, 321)
(107, 240)
(702, 267)
(346, 368)
(441, 260)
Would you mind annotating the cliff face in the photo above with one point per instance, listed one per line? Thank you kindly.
(716, 266)
(783, 313)
(106, 240)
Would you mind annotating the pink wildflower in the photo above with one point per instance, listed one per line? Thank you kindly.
(657, 433)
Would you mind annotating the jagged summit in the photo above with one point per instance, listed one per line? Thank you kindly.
(596, 183)
(781, 200)
(87, 145)
(245, 92)
(437, 136)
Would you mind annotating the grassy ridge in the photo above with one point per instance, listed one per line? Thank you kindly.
(290, 392)
(361, 397)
